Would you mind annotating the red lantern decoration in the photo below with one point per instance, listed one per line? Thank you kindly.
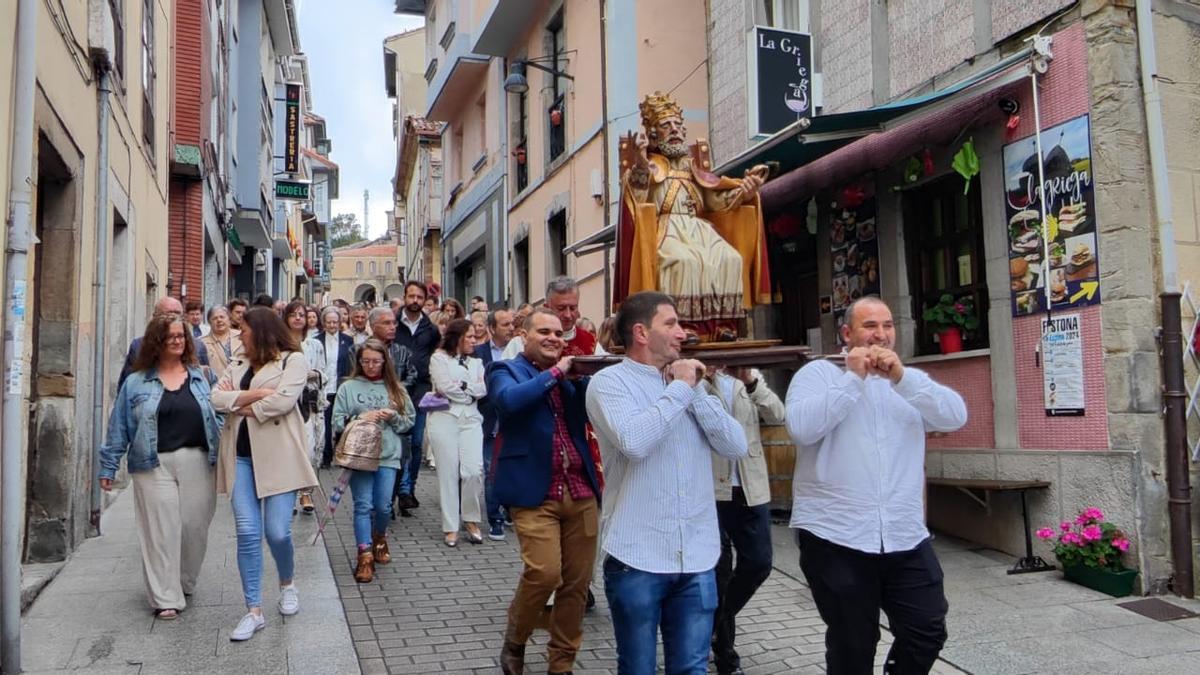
(786, 226)
(556, 117)
(519, 153)
(853, 196)
(927, 162)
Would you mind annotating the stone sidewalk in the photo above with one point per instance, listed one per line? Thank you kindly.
(436, 609)
(93, 616)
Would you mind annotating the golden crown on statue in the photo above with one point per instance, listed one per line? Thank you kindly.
(657, 106)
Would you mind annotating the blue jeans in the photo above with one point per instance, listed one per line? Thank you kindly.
(372, 491)
(494, 515)
(252, 516)
(411, 466)
(642, 602)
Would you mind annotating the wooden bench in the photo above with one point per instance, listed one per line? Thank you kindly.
(980, 490)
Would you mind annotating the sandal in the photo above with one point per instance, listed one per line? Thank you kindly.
(167, 614)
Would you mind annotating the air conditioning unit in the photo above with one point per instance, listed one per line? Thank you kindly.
(102, 43)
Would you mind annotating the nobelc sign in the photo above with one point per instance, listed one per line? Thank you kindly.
(292, 189)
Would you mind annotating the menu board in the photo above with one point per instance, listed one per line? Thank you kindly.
(1073, 272)
(854, 252)
(1062, 365)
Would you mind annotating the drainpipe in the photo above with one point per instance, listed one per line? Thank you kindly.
(20, 200)
(99, 287)
(1179, 491)
(604, 150)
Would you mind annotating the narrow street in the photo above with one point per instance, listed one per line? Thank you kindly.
(437, 609)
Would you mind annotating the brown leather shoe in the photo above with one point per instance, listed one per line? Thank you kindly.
(512, 658)
(379, 548)
(365, 571)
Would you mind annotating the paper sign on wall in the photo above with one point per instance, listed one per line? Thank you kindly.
(1062, 365)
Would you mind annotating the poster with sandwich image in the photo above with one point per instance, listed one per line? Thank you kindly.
(1062, 254)
(854, 250)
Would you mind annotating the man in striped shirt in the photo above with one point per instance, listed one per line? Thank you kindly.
(657, 425)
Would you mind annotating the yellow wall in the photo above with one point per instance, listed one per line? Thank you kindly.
(345, 279)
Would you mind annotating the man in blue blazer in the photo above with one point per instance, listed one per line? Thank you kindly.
(500, 326)
(545, 476)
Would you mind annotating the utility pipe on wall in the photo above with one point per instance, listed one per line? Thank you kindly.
(1179, 491)
(20, 217)
(99, 287)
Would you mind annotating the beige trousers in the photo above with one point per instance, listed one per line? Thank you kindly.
(174, 504)
(457, 444)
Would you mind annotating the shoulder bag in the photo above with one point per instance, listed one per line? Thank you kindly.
(360, 446)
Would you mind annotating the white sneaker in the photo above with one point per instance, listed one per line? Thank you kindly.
(247, 627)
(289, 600)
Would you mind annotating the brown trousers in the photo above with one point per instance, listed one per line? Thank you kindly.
(558, 547)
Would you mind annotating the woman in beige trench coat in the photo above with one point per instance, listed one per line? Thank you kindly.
(262, 460)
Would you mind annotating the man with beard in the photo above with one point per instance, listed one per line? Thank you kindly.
(416, 332)
(686, 232)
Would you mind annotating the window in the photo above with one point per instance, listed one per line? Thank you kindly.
(117, 8)
(358, 268)
(785, 14)
(556, 114)
(521, 271)
(481, 111)
(556, 241)
(373, 268)
(460, 155)
(521, 146)
(149, 75)
(944, 232)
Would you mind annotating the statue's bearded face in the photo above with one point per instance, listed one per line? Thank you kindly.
(669, 136)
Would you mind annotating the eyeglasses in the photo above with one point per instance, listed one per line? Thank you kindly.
(372, 362)
(178, 337)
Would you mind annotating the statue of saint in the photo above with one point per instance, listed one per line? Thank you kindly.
(686, 232)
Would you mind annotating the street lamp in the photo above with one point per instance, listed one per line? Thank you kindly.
(516, 83)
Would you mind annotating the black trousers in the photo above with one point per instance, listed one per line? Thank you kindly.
(745, 530)
(327, 453)
(850, 587)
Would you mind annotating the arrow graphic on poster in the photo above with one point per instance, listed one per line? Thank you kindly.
(1087, 288)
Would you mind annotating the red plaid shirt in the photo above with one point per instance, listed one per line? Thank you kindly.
(567, 468)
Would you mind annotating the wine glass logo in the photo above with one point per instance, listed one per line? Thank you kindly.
(797, 100)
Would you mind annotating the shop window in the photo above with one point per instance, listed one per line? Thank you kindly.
(556, 241)
(944, 232)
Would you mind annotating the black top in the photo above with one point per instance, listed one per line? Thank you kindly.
(243, 442)
(180, 421)
(422, 343)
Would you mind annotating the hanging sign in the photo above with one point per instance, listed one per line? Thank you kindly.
(291, 149)
(780, 78)
(1073, 272)
(1062, 365)
(292, 189)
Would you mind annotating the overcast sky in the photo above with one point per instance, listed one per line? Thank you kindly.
(344, 44)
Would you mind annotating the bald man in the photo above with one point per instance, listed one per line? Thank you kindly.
(166, 306)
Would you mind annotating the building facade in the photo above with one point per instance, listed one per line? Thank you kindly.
(404, 81)
(366, 272)
(418, 184)
(100, 258)
(869, 199)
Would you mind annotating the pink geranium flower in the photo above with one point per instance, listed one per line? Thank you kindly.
(1121, 545)
(1065, 526)
(1092, 533)
(1072, 538)
(1045, 533)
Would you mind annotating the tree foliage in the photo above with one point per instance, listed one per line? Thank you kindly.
(345, 230)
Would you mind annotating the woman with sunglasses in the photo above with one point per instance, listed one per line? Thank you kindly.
(374, 394)
(163, 419)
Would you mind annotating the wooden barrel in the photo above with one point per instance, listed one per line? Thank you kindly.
(781, 462)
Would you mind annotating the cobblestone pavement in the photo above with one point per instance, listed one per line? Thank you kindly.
(440, 609)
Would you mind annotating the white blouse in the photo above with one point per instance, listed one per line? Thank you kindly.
(458, 379)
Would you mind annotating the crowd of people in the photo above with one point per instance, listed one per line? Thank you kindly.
(650, 472)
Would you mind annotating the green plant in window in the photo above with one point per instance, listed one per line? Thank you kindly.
(950, 312)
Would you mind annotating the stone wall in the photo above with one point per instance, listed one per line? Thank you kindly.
(728, 130)
(844, 41)
(927, 38)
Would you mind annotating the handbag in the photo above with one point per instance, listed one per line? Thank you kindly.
(433, 402)
(360, 446)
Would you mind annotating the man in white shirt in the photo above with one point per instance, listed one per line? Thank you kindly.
(858, 495)
(657, 425)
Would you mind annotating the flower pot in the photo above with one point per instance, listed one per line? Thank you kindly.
(1117, 584)
(950, 340)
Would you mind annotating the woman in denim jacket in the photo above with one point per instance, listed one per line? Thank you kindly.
(164, 422)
